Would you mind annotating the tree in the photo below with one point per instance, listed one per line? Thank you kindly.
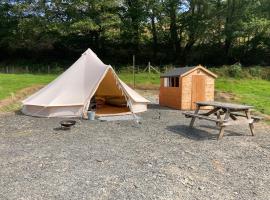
(169, 31)
(172, 8)
(133, 17)
(153, 9)
(196, 23)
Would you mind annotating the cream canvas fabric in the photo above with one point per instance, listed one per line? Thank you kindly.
(69, 94)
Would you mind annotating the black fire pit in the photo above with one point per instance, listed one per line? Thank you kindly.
(67, 124)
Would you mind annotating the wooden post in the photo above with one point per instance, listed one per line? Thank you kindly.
(251, 126)
(133, 71)
(26, 69)
(219, 118)
(7, 69)
(193, 118)
(221, 131)
(149, 67)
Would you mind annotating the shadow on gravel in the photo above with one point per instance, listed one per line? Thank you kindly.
(191, 133)
(18, 112)
(60, 129)
(227, 132)
(157, 107)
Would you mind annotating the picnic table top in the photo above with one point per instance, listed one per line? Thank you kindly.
(224, 105)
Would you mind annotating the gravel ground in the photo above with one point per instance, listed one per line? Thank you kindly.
(159, 159)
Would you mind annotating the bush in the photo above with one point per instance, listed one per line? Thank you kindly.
(235, 71)
(221, 71)
(255, 71)
(266, 74)
(167, 68)
(57, 70)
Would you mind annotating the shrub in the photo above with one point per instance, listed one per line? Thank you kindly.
(221, 71)
(235, 71)
(167, 68)
(57, 70)
(255, 71)
(266, 74)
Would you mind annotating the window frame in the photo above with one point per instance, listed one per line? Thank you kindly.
(172, 81)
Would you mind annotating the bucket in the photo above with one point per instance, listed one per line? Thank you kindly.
(91, 115)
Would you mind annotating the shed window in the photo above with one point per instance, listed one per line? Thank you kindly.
(171, 82)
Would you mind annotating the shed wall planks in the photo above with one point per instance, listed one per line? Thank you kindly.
(181, 97)
(170, 96)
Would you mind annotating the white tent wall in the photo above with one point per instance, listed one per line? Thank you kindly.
(57, 111)
(69, 95)
(73, 86)
(138, 107)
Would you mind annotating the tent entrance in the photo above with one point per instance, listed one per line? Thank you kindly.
(109, 98)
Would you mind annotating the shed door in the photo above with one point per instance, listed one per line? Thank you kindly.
(198, 90)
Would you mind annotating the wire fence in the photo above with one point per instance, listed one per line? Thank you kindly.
(42, 69)
(30, 69)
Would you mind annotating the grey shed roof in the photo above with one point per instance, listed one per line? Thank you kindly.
(177, 71)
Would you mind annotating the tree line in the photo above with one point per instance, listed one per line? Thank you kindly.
(182, 32)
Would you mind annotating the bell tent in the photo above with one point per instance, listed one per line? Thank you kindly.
(71, 94)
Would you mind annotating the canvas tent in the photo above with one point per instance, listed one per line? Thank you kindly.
(69, 95)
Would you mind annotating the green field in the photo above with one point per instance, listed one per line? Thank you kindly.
(141, 78)
(249, 91)
(255, 92)
(11, 83)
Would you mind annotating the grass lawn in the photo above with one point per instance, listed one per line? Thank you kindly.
(140, 78)
(11, 83)
(253, 92)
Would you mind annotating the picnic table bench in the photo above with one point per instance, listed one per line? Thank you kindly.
(231, 113)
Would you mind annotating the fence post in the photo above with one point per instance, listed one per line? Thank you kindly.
(133, 71)
(6, 69)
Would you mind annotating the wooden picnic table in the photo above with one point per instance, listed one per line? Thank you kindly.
(234, 114)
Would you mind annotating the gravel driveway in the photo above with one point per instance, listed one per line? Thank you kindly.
(159, 159)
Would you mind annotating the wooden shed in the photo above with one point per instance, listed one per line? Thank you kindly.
(181, 87)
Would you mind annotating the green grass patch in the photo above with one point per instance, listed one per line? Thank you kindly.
(11, 107)
(255, 92)
(250, 91)
(140, 78)
(11, 83)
